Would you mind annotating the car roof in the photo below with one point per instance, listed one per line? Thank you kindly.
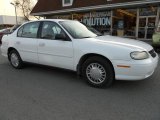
(54, 20)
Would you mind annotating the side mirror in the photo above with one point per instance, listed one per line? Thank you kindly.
(60, 37)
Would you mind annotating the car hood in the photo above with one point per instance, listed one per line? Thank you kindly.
(135, 44)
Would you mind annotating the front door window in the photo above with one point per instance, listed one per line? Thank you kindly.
(50, 30)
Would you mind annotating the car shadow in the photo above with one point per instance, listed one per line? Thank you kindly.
(68, 75)
(53, 71)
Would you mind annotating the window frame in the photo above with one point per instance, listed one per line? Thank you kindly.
(19, 30)
(27, 24)
(67, 4)
(41, 27)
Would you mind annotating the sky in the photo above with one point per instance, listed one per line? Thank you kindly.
(6, 8)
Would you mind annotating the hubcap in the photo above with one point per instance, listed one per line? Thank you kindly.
(96, 73)
(14, 60)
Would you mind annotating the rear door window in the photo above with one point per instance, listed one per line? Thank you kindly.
(29, 30)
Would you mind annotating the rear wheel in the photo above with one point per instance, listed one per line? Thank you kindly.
(98, 72)
(15, 59)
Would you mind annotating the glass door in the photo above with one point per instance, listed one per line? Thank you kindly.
(146, 27)
(142, 28)
(150, 27)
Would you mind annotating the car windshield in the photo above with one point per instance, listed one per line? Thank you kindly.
(77, 30)
(92, 29)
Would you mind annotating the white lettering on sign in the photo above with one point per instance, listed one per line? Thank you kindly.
(101, 14)
(97, 18)
(105, 21)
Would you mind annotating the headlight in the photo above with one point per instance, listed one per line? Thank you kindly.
(137, 55)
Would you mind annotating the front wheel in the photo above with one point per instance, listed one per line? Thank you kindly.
(15, 59)
(98, 72)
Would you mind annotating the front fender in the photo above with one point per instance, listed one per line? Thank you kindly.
(109, 51)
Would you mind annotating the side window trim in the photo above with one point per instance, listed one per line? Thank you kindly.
(40, 30)
(19, 30)
(41, 27)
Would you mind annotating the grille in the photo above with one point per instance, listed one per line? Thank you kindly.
(152, 53)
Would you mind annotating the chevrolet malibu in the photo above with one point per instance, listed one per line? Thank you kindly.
(71, 45)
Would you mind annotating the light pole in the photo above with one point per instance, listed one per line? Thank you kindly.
(15, 6)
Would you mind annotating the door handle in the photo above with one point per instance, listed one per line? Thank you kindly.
(41, 44)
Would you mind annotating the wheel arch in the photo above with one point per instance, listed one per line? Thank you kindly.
(86, 56)
(9, 50)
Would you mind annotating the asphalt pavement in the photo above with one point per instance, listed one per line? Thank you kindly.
(46, 93)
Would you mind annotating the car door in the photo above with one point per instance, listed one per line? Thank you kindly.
(52, 51)
(26, 42)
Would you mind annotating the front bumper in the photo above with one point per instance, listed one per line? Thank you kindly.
(138, 70)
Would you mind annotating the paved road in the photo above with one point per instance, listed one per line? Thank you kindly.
(44, 93)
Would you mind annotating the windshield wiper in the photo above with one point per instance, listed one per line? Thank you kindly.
(85, 37)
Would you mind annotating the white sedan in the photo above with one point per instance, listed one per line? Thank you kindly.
(71, 45)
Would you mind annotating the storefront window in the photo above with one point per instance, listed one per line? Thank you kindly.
(78, 16)
(148, 11)
(147, 22)
(99, 20)
(124, 22)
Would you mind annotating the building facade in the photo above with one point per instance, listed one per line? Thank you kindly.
(9, 21)
(128, 18)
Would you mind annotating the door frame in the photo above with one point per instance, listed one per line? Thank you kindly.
(146, 26)
(138, 17)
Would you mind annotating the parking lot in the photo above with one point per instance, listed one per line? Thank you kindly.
(45, 93)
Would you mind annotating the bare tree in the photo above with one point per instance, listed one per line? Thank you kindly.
(25, 7)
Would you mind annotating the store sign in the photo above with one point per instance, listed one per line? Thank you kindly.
(97, 18)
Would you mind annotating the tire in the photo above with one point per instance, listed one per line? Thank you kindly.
(15, 59)
(98, 72)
